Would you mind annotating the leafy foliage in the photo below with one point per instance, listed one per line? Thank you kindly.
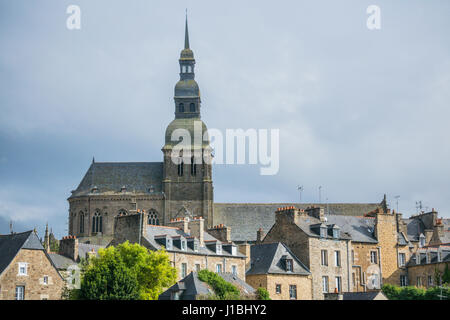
(263, 294)
(223, 289)
(127, 272)
(413, 293)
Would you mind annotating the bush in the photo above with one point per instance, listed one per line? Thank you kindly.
(263, 294)
(414, 293)
(224, 290)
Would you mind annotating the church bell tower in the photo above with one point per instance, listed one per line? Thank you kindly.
(187, 176)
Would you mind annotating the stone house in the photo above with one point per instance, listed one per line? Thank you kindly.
(427, 265)
(321, 246)
(26, 270)
(190, 246)
(274, 267)
(69, 256)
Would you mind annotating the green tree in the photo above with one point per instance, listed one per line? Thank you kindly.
(127, 272)
(446, 275)
(263, 294)
(108, 278)
(152, 268)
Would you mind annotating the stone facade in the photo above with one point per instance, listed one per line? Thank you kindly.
(270, 282)
(35, 288)
(425, 275)
(309, 250)
(136, 229)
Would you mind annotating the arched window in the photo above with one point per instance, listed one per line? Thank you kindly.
(192, 107)
(180, 167)
(81, 222)
(122, 212)
(181, 107)
(193, 167)
(183, 69)
(189, 69)
(153, 217)
(97, 222)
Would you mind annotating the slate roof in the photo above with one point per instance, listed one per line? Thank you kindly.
(11, 244)
(153, 231)
(84, 248)
(310, 226)
(446, 237)
(190, 287)
(267, 258)
(245, 219)
(370, 295)
(110, 177)
(61, 262)
(414, 227)
(402, 240)
(361, 229)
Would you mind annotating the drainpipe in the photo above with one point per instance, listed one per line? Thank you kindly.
(361, 280)
(348, 268)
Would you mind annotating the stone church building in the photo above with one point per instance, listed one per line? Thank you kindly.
(168, 190)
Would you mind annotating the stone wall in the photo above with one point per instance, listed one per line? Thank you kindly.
(424, 271)
(269, 281)
(35, 289)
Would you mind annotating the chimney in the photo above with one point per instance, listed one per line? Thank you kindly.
(245, 250)
(260, 234)
(221, 232)
(316, 212)
(197, 229)
(181, 223)
(287, 215)
(68, 247)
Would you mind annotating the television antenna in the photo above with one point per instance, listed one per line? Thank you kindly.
(300, 189)
(396, 200)
(320, 194)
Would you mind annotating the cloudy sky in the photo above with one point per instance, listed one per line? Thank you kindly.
(360, 112)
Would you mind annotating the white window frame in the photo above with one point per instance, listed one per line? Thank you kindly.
(198, 267)
(373, 257)
(292, 289)
(45, 280)
(430, 281)
(325, 284)
(234, 269)
(337, 258)
(20, 294)
(339, 284)
(25, 266)
(289, 265)
(403, 280)
(324, 257)
(278, 285)
(401, 259)
(219, 268)
(183, 269)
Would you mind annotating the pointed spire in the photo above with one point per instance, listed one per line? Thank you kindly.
(186, 34)
(93, 159)
(46, 239)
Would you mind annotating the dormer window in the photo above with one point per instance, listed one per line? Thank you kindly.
(183, 245)
(219, 248)
(323, 232)
(289, 265)
(233, 250)
(421, 240)
(169, 244)
(336, 233)
(195, 246)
